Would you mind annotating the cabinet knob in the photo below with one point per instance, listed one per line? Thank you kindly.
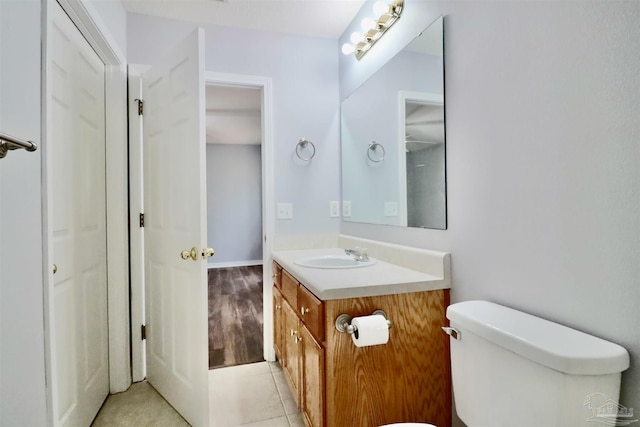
(297, 339)
(275, 275)
(304, 310)
(278, 307)
(292, 332)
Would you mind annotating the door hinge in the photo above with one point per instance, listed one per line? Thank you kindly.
(141, 220)
(140, 105)
(143, 332)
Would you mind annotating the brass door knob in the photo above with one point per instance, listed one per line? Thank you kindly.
(208, 253)
(186, 254)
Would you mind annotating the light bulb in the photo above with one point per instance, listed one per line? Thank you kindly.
(367, 24)
(348, 48)
(380, 8)
(356, 38)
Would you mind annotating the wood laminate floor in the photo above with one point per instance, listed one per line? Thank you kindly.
(235, 316)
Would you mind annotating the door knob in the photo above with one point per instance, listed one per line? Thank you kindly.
(55, 269)
(208, 253)
(186, 254)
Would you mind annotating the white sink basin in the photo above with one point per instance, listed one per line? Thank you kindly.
(333, 261)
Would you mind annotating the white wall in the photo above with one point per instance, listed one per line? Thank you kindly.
(22, 363)
(234, 203)
(543, 148)
(305, 104)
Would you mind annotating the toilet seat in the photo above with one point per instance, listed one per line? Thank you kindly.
(408, 425)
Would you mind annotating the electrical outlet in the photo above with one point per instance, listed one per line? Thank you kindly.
(346, 208)
(284, 211)
(390, 208)
(334, 209)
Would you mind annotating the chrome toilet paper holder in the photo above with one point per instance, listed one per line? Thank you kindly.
(343, 322)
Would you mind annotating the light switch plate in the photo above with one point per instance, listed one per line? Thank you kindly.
(346, 208)
(284, 211)
(390, 208)
(334, 209)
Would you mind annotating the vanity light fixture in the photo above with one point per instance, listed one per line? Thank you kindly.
(385, 15)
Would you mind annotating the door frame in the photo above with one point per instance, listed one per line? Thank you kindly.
(86, 19)
(138, 362)
(268, 198)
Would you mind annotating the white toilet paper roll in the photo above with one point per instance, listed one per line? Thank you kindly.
(371, 330)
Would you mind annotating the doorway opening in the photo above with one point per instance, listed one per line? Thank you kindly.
(235, 224)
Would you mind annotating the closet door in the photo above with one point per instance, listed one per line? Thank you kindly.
(77, 224)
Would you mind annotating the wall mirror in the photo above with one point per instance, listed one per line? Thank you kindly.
(393, 140)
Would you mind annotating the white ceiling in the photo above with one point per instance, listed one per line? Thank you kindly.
(320, 18)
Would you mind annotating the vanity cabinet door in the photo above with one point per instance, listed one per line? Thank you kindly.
(291, 349)
(312, 379)
(278, 326)
(311, 312)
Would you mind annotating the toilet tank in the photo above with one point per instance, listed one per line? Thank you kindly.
(510, 368)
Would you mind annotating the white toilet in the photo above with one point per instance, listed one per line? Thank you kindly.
(511, 368)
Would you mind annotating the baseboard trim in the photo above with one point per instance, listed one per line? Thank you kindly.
(234, 264)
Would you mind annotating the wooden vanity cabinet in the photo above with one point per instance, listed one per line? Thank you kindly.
(337, 384)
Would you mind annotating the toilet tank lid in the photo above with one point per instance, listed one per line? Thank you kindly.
(551, 344)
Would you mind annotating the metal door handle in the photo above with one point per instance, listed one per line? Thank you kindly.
(55, 269)
(193, 254)
(208, 253)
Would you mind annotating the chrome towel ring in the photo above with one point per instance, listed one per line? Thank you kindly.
(375, 152)
(305, 145)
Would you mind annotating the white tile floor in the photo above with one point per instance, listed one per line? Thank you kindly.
(252, 395)
(239, 396)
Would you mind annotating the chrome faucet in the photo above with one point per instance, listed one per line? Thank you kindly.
(360, 254)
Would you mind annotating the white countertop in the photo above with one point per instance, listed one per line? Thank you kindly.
(381, 278)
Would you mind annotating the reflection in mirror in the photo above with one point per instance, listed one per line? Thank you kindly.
(401, 109)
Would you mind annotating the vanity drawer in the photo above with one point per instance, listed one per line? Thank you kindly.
(311, 311)
(277, 275)
(289, 288)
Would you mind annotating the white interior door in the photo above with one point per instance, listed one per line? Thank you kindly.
(76, 165)
(175, 220)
